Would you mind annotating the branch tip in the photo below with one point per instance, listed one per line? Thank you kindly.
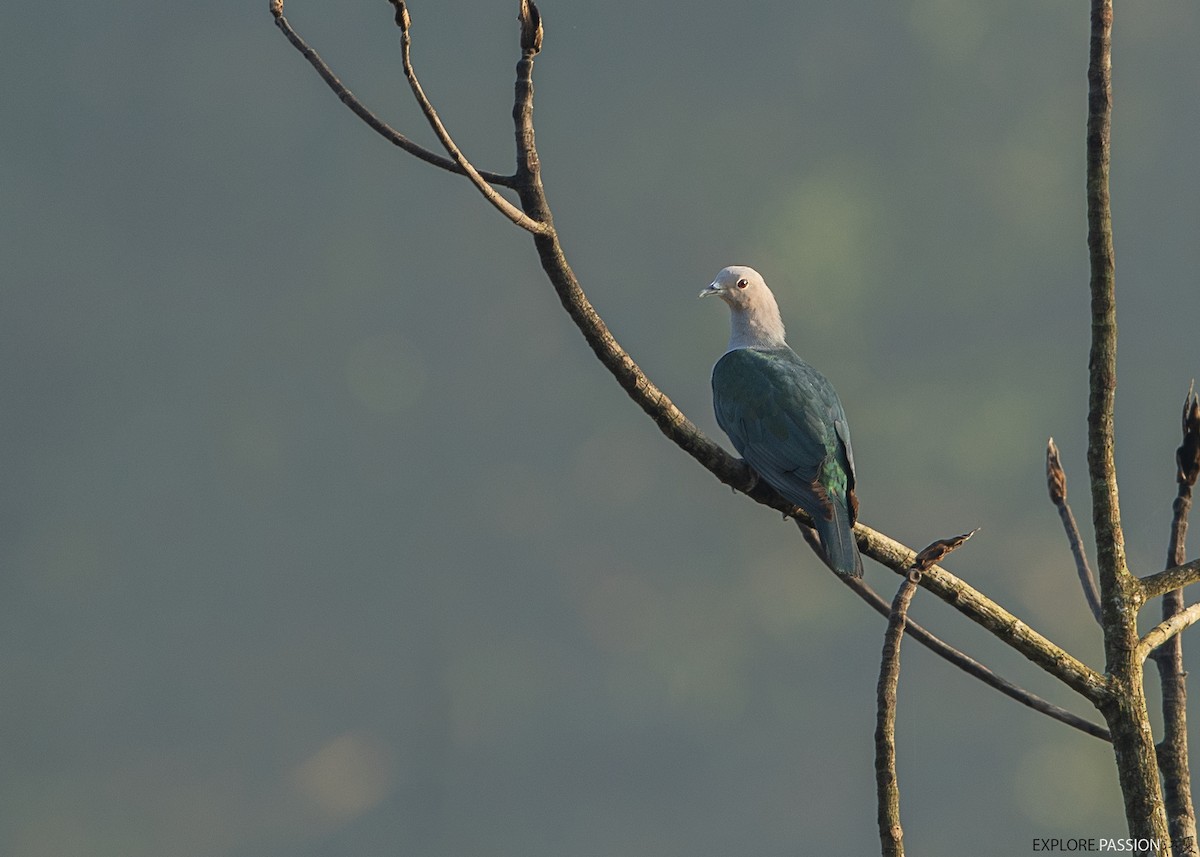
(1187, 457)
(277, 8)
(937, 551)
(403, 21)
(531, 27)
(1056, 477)
(1056, 482)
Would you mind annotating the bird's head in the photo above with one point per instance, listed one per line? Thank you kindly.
(756, 320)
(739, 286)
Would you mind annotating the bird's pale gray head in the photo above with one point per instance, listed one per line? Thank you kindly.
(738, 286)
(756, 319)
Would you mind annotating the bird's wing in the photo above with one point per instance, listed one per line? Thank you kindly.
(785, 419)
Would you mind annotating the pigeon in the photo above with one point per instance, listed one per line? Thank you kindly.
(784, 417)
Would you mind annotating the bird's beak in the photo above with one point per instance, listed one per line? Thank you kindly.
(712, 289)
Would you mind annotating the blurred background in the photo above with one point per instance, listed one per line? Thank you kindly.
(324, 533)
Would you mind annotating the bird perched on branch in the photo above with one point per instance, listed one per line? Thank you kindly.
(784, 417)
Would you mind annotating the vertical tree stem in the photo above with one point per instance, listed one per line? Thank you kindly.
(1125, 707)
(1102, 362)
(891, 834)
(1173, 749)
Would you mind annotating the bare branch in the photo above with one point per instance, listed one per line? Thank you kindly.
(972, 667)
(1167, 629)
(374, 122)
(891, 834)
(1056, 481)
(501, 204)
(1186, 574)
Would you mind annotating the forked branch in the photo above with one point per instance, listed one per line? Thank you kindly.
(359, 109)
(984, 612)
(972, 667)
(520, 218)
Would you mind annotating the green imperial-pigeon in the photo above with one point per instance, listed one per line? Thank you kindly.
(784, 417)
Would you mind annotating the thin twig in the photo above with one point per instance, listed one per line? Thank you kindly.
(501, 204)
(1056, 481)
(972, 667)
(891, 834)
(1173, 748)
(374, 122)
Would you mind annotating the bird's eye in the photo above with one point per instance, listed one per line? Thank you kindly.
(741, 284)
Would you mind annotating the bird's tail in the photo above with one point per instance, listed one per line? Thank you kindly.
(837, 540)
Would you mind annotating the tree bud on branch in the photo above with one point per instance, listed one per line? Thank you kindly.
(531, 26)
(1056, 477)
(403, 21)
(1188, 455)
(937, 551)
